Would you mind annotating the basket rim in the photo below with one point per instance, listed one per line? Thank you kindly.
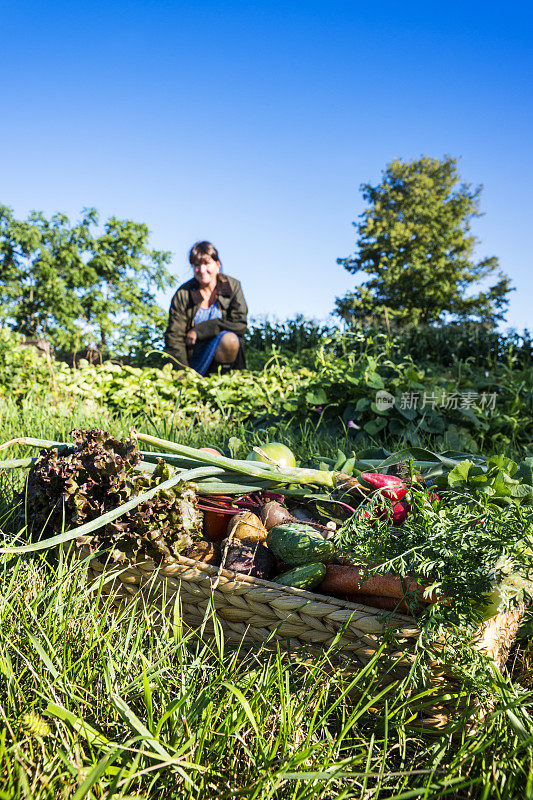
(406, 624)
(493, 637)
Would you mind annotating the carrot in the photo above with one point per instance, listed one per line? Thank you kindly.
(341, 579)
(216, 524)
(386, 603)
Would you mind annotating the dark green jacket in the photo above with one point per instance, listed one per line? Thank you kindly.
(186, 303)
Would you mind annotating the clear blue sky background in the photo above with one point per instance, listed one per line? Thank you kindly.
(254, 124)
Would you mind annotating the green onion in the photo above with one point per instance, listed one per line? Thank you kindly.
(17, 462)
(253, 469)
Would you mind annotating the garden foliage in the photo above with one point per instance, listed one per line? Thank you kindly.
(461, 408)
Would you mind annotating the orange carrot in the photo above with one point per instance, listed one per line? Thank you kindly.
(341, 579)
(216, 524)
(386, 603)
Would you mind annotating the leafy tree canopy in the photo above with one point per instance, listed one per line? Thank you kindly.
(415, 243)
(80, 283)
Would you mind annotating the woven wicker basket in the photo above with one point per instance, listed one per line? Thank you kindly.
(258, 611)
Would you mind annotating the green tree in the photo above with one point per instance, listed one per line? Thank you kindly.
(76, 284)
(415, 243)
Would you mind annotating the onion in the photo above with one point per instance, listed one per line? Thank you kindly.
(274, 453)
(247, 527)
(273, 513)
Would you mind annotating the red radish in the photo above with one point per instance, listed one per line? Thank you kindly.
(391, 487)
(397, 514)
(210, 450)
(400, 512)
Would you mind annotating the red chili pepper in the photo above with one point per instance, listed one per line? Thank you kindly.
(392, 487)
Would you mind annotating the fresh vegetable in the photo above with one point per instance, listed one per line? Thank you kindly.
(216, 524)
(207, 552)
(247, 527)
(273, 514)
(75, 484)
(399, 512)
(340, 579)
(390, 486)
(305, 577)
(255, 560)
(211, 450)
(273, 453)
(386, 603)
(395, 515)
(295, 544)
(259, 475)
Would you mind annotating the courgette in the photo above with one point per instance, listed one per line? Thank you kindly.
(305, 577)
(297, 544)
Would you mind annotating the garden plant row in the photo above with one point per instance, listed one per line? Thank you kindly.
(373, 396)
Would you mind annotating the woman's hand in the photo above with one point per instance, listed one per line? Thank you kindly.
(191, 337)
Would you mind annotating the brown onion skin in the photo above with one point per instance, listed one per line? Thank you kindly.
(274, 513)
(247, 527)
(208, 552)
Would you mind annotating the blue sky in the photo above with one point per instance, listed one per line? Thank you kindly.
(254, 124)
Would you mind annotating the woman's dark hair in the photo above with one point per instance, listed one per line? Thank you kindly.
(202, 249)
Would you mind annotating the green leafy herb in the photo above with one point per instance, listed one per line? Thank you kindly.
(460, 547)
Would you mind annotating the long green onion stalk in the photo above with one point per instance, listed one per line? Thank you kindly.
(255, 469)
(259, 475)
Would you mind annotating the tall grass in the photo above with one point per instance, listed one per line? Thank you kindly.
(98, 703)
(115, 705)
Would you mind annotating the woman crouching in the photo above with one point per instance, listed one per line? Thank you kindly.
(207, 317)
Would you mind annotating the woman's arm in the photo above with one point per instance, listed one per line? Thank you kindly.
(176, 331)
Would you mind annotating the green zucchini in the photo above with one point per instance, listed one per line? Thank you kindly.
(299, 544)
(305, 577)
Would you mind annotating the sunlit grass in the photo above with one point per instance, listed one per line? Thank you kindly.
(98, 703)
